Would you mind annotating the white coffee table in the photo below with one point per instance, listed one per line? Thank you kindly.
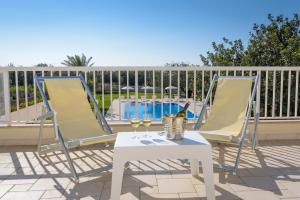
(154, 145)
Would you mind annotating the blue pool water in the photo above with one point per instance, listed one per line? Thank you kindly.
(153, 110)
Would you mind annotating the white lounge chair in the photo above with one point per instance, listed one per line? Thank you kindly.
(132, 97)
(230, 113)
(74, 121)
(143, 98)
(122, 98)
(166, 98)
(154, 98)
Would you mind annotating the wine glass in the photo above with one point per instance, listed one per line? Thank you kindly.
(147, 120)
(134, 121)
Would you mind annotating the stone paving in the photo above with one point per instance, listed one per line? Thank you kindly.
(270, 172)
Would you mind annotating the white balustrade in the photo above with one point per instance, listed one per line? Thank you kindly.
(277, 94)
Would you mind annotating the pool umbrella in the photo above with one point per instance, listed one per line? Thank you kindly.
(147, 88)
(171, 88)
(127, 88)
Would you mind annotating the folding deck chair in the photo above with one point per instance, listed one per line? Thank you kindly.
(74, 121)
(230, 112)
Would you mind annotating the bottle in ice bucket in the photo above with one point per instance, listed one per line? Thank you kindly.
(174, 124)
(182, 113)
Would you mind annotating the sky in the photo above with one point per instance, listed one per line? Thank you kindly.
(126, 32)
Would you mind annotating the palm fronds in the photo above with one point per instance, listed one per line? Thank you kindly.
(77, 60)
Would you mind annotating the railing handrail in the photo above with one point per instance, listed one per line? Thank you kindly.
(155, 68)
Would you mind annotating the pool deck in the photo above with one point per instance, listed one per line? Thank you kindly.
(115, 110)
(272, 172)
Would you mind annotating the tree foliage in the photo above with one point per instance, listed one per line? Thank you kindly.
(178, 64)
(43, 65)
(274, 44)
(78, 61)
(228, 53)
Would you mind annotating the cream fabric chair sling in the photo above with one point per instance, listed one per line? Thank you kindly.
(74, 121)
(230, 112)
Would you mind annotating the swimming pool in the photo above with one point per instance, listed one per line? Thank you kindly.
(153, 109)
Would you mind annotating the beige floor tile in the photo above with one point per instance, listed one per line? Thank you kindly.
(261, 183)
(181, 174)
(2, 165)
(293, 187)
(280, 181)
(154, 165)
(175, 186)
(53, 194)
(197, 180)
(21, 188)
(237, 184)
(139, 180)
(32, 195)
(218, 177)
(223, 192)
(285, 194)
(292, 174)
(6, 171)
(5, 159)
(149, 190)
(4, 189)
(267, 171)
(243, 172)
(51, 184)
(50, 168)
(24, 162)
(92, 187)
(26, 171)
(15, 180)
(160, 196)
(189, 196)
(128, 193)
(257, 195)
(164, 175)
(90, 198)
(132, 171)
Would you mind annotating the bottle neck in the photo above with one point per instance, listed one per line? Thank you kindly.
(186, 107)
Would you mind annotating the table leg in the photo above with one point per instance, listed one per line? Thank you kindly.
(194, 167)
(117, 178)
(208, 173)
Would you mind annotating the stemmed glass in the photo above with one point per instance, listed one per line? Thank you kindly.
(147, 120)
(134, 121)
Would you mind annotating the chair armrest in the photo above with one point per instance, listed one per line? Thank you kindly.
(199, 121)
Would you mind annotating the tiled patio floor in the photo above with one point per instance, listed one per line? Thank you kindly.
(271, 172)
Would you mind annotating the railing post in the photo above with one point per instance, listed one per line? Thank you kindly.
(6, 96)
(258, 93)
(136, 93)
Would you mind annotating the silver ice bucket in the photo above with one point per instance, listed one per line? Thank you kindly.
(174, 127)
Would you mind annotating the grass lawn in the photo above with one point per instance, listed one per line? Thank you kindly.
(98, 98)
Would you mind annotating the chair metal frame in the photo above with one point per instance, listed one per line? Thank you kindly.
(244, 132)
(49, 112)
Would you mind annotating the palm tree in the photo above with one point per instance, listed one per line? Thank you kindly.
(76, 60)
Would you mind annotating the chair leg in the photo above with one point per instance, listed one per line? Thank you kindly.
(41, 132)
(254, 139)
(235, 167)
(69, 160)
(40, 138)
